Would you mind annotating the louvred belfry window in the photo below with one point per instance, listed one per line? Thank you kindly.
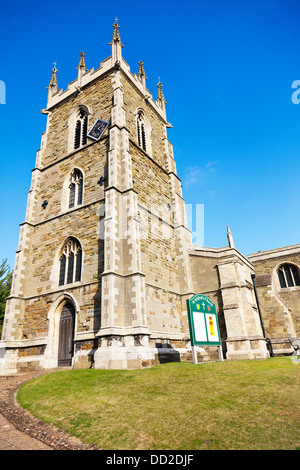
(141, 132)
(75, 188)
(70, 262)
(288, 276)
(81, 127)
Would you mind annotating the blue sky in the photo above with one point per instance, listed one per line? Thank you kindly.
(227, 69)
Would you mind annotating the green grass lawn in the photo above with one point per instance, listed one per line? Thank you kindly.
(176, 406)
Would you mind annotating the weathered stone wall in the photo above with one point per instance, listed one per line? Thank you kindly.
(164, 313)
(224, 275)
(35, 322)
(54, 224)
(159, 255)
(280, 308)
(54, 180)
(133, 100)
(97, 99)
(47, 240)
(45, 229)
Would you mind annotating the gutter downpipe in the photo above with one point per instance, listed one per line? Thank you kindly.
(260, 317)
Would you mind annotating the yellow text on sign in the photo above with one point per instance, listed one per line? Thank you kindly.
(211, 325)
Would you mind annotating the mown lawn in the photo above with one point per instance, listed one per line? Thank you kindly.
(176, 406)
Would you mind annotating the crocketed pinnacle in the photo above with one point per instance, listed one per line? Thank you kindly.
(82, 64)
(116, 35)
(53, 81)
(141, 71)
(160, 95)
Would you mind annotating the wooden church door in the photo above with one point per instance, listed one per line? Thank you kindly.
(66, 336)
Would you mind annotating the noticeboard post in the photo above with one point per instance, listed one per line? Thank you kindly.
(203, 323)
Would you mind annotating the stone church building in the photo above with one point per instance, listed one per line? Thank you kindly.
(105, 261)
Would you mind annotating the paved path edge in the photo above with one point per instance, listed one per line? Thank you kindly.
(25, 422)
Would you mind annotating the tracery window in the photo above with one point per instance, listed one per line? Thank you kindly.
(75, 188)
(141, 131)
(288, 276)
(81, 127)
(70, 262)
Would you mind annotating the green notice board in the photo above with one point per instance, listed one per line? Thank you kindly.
(203, 321)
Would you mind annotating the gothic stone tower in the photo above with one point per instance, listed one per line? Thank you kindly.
(105, 260)
(102, 268)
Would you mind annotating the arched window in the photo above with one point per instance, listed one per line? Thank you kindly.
(141, 131)
(81, 125)
(75, 188)
(288, 276)
(70, 262)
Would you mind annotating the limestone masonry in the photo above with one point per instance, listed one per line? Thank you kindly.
(105, 261)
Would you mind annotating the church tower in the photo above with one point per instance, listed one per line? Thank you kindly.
(102, 269)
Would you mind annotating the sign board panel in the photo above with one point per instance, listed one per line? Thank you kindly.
(203, 321)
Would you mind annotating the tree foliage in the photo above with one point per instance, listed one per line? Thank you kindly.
(5, 286)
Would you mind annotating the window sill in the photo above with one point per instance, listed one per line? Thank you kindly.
(71, 285)
(71, 209)
(289, 289)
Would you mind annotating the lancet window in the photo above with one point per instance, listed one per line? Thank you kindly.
(75, 188)
(141, 131)
(81, 127)
(70, 262)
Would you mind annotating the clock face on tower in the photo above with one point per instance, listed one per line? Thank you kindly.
(98, 128)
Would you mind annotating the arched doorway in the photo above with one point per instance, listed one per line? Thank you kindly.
(66, 335)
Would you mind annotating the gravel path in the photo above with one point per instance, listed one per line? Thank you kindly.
(19, 430)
